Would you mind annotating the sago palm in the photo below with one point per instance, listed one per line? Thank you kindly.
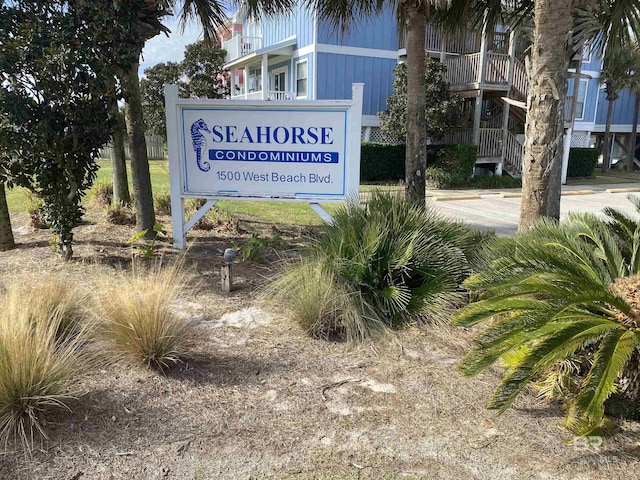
(554, 292)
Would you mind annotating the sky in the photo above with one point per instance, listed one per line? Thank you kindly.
(161, 48)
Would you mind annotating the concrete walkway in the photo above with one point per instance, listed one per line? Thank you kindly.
(499, 210)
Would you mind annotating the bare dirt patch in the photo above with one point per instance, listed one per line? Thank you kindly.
(258, 398)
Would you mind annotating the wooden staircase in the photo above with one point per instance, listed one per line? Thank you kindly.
(499, 79)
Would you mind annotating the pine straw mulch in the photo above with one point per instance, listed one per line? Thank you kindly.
(260, 399)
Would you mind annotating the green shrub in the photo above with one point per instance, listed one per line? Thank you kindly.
(34, 206)
(560, 293)
(38, 368)
(391, 262)
(381, 162)
(136, 314)
(384, 162)
(494, 181)
(582, 162)
(450, 165)
(438, 178)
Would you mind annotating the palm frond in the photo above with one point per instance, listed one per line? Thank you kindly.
(562, 340)
(612, 356)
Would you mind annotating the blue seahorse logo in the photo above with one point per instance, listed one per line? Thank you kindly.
(200, 143)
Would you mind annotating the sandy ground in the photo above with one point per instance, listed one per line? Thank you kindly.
(259, 399)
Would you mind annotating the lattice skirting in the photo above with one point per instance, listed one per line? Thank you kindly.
(373, 134)
(580, 139)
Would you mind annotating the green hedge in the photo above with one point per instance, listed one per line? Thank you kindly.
(381, 162)
(582, 162)
(450, 165)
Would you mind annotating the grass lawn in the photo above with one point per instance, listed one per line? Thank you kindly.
(298, 213)
(611, 177)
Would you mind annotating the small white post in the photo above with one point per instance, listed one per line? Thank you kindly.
(565, 154)
(265, 76)
(175, 184)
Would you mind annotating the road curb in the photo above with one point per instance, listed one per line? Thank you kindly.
(509, 195)
(622, 190)
(578, 192)
(455, 197)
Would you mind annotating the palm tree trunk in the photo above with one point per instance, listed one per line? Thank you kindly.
(543, 139)
(6, 234)
(631, 155)
(118, 161)
(415, 12)
(606, 154)
(143, 196)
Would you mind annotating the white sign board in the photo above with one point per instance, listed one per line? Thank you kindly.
(261, 150)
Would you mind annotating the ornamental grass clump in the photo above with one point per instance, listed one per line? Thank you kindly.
(38, 367)
(50, 298)
(137, 316)
(561, 300)
(376, 267)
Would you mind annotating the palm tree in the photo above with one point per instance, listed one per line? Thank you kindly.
(6, 234)
(556, 292)
(144, 21)
(562, 23)
(634, 87)
(412, 15)
(618, 73)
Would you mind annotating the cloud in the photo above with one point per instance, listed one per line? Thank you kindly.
(162, 49)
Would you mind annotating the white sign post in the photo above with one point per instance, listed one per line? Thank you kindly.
(301, 151)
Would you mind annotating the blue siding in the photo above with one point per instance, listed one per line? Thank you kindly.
(336, 73)
(622, 108)
(380, 32)
(299, 23)
(590, 100)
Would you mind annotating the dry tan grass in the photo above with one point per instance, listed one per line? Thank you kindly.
(136, 314)
(48, 298)
(37, 364)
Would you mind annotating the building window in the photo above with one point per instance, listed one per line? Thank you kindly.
(582, 94)
(302, 74)
(254, 82)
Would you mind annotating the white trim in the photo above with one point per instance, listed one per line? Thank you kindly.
(295, 89)
(576, 92)
(357, 51)
(314, 57)
(301, 52)
(272, 75)
(370, 121)
(618, 128)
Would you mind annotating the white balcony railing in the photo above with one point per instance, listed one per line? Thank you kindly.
(271, 95)
(490, 144)
(513, 154)
(279, 95)
(239, 46)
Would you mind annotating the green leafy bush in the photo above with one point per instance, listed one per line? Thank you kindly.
(450, 165)
(582, 162)
(381, 162)
(384, 266)
(558, 293)
(494, 181)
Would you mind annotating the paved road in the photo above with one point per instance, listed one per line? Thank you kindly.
(492, 212)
